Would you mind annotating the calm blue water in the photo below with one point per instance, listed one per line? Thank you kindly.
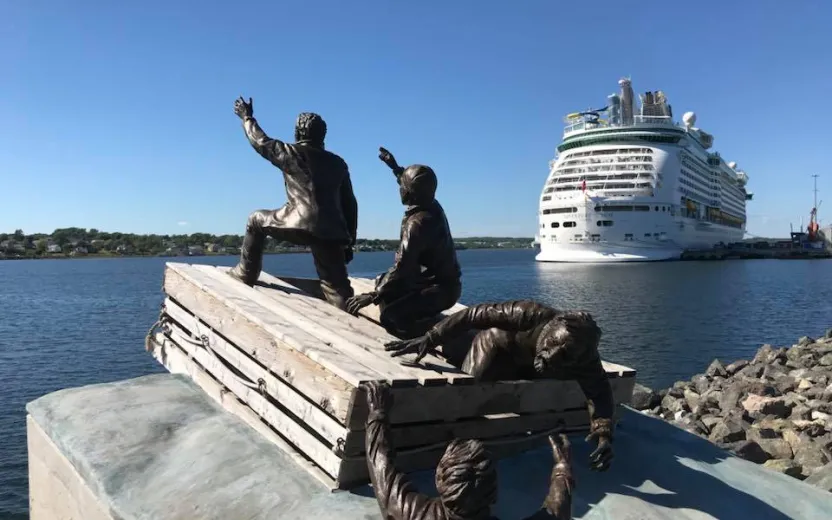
(66, 323)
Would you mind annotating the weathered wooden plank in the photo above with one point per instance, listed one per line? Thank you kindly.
(176, 361)
(488, 427)
(369, 336)
(353, 441)
(306, 411)
(336, 354)
(307, 443)
(350, 471)
(451, 403)
(330, 391)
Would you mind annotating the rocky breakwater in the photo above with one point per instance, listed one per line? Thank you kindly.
(774, 410)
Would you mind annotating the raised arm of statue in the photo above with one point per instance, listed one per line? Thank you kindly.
(273, 150)
(397, 498)
(388, 159)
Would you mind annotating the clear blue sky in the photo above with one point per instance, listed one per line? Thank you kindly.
(118, 115)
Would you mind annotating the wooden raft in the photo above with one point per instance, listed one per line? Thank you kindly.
(290, 365)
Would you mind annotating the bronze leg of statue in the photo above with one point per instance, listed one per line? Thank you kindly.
(251, 253)
(415, 313)
(329, 257)
(330, 262)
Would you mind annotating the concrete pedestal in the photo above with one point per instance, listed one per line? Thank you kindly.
(158, 448)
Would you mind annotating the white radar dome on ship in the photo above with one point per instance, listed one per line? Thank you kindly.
(732, 165)
(689, 118)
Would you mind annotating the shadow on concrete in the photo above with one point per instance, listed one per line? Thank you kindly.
(659, 472)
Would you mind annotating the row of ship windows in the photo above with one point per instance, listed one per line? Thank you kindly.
(608, 160)
(570, 223)
(605, 186)
(603, 209)
(613, 177)
(597, 237)
(589, 169)
(611, 152)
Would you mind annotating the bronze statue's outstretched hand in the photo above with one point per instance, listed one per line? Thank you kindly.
(359, 301)
(387, 158)
(421, 346)
(600, 459)
(243, 109)
(379, 397)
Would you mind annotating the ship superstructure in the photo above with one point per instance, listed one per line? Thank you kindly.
(637, 186)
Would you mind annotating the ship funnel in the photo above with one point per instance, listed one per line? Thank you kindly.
(614, 102)
(626, 101)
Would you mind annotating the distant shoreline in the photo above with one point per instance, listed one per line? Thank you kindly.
(267, 253)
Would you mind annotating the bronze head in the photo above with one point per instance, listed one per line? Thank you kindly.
(417, 185)
(310, 128)
(466, 480)
(570, 339)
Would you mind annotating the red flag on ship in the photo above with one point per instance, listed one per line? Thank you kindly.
(583, 185)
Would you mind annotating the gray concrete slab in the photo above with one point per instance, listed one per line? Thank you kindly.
(156, 447)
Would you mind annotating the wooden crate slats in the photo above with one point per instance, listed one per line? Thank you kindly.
(351, 330)
(294, 401)
(441, 370)
(335, 353)
(290, 365)
(178, 362)
(327, 389)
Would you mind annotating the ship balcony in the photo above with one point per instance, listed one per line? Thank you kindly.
(581, 125)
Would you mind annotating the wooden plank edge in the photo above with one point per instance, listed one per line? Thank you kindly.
(433, 371)
(247, 304)
(176, 362)
(172, 357)
(278, 389)
(330, 391)
(451, 403)
(340, 355)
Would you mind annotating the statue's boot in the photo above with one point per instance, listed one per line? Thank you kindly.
(251, 255)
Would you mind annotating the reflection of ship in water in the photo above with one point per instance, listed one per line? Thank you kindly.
(637, 186)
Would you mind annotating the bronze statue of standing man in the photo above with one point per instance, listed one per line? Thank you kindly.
(321, 211)
(425, 277)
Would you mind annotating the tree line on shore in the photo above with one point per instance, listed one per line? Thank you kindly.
(74, 241)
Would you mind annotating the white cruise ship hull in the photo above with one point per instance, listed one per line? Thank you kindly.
(637, 188)
(611, 252)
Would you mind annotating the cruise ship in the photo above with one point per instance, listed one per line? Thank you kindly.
(633, 185)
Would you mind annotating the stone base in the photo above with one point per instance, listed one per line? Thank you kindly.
(56, 490)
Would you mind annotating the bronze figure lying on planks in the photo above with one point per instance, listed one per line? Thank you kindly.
(528, 340)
